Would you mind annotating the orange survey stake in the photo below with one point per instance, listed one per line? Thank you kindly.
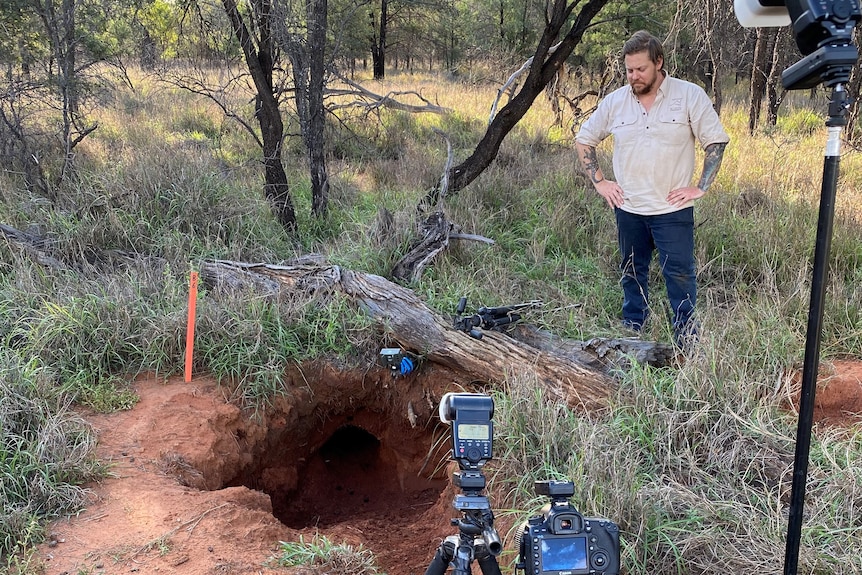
(190, 331)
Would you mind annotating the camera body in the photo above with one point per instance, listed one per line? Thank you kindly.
(561, 541)
(472, 429)
(823, 30)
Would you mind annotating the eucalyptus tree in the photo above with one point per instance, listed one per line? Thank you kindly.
(348, 33)
(413, 29)
(50, 73)
(709, 42)
(301, 31)
(21, 45)
(252, 23)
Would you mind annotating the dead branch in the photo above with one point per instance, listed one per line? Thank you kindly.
(434, 232)
(514, 76)
(366, 99)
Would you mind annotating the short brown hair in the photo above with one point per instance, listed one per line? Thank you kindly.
(643, 41)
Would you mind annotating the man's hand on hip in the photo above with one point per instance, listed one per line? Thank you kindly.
(681, 196)
(611, 192)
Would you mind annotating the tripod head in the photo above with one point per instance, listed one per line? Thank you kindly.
(478, 518)
(489, 318)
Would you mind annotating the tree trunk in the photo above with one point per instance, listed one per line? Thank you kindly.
(759, 73)
(260, 64)
(63, 41)
(542, 70)
(378, 41)
(779, 49)
(422, 331)
(317, 19)
(148, 56)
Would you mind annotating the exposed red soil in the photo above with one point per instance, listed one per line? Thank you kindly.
(199, 487)
(838, 397)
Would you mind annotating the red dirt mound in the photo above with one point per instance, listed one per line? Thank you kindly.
(838, 397)
(197, 487)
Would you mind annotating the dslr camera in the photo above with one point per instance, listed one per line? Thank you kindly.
(561, 541)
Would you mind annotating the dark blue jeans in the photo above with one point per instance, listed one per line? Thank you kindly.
(673, 236)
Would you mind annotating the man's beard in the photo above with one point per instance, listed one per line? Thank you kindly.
(642, 89)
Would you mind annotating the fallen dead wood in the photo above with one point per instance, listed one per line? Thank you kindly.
(366, 99)
(421, 330)
(434, 231)
(36, 247)
(602, 353)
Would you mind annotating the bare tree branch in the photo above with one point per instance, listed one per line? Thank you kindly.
(365, 98)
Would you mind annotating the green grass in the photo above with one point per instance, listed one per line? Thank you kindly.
(45, 453)
(327, 556)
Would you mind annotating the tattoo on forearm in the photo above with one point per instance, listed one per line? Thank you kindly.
(590, 162)
(711, 163)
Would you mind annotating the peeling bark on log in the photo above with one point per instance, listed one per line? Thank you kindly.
(421, 330)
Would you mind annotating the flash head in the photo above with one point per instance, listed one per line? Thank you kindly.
(823, 30)
(472, 430)
(817, 23)
(453, 402)
(761, 13)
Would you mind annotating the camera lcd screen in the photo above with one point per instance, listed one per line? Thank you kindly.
(474, 431)
(564, 554)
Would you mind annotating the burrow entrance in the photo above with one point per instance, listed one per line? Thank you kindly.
(354, 467)
(360, 465)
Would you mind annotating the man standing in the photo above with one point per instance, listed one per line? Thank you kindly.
(655, 121)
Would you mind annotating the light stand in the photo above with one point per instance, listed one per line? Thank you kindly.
(823, 32)
(837, 120)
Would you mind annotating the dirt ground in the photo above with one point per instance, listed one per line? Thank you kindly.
(198, 487)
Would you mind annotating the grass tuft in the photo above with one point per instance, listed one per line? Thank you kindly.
(327, 557)
(46, 450)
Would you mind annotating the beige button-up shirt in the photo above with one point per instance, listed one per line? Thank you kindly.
(654, 151)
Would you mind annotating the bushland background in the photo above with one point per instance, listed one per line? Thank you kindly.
(140, 138)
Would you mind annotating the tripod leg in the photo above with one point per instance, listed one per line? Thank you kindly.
(487, 562)
(441, 559)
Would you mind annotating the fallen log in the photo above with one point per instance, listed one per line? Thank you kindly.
(421, 330)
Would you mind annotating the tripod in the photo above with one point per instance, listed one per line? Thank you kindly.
(477, 539)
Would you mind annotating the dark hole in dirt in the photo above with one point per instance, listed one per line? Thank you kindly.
(356, 459)
(352, 475)
(363, 466)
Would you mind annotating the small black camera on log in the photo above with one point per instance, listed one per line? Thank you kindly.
(561, 541)
(489, 318)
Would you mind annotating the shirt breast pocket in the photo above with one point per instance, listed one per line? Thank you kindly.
(625, 131)
(673, 128)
